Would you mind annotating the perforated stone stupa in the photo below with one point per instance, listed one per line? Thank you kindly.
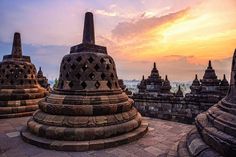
(87, 110)
(215, 132)
(19, 89)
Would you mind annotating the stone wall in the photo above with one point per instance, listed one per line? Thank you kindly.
(180, 109)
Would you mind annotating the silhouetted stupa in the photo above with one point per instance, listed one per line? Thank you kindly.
(88, 109)
(19, 89)
(207, 91)
(215, 132)
(42, 80)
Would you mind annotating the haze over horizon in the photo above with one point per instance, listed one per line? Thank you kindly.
(180, 36)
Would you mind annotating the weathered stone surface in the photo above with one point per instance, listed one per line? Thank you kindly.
(154, 98)
(215, 129)
(87, 109)
(161, 136)
(19, 89)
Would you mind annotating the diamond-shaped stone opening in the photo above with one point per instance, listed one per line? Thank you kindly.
(21, 82)
(11, 82)
(103, 76)
(97, 84)
(32, 76)
(7, 76)
(91, 76)
(68, 59)
(102, 60)
(108, 67)
(73, 66)
(3, 70)
(109, 84)
(71, 84)
(62, 84)
(63, 60)
(28, 71)
(78, 75)
(8, 66)
(2, 82)
(79, 58)
(96, 67)
(85, 66)
(29, 82)
(67, 75)
(25, 76)
(110, 61)
(64, 67)
(112, 76)
(84, 85)
(90, 59)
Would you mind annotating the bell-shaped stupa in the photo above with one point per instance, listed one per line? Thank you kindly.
(215, 132)
(42, 80)
(87, 110)
(19, 89)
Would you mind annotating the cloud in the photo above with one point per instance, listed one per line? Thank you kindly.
(178, 68)
(145, 23)
(179, 35)
(105, 13)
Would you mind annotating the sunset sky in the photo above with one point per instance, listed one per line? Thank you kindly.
(179, 35)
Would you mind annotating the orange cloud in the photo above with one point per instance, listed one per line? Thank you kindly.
(180, 42)
(142, 25)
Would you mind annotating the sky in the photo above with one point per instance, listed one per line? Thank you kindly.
(180, 35)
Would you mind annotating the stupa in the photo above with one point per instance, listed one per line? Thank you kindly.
(179, 92)
(154, 81)
(42, 80)
(207, 91)
(87, 110)
(166, 87)
(215, 132)
(19, 89)
(142, 85)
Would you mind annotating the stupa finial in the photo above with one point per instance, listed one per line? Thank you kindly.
(88, 34)
(154, 65)
(16, 47)
(209, 64)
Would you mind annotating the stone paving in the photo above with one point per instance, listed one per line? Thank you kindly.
(162, 135)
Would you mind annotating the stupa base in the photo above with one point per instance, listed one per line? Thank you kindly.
(15, 115)
(192, 145)
(21, 111)
(84, 145)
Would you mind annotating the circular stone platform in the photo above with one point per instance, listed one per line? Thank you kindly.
(87, 109)
(19, 89)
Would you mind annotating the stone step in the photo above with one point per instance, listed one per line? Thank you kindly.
(85, 145)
